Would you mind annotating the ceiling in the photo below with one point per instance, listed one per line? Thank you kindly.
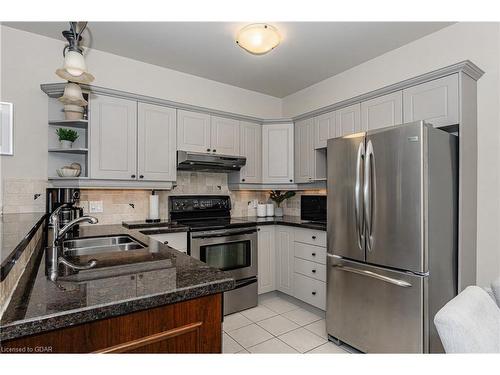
(310, 51)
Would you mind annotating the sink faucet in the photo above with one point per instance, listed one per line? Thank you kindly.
(54, 256)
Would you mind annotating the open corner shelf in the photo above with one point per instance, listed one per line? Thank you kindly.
(80, 124)
(70, 150)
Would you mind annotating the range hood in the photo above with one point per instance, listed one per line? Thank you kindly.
(196, 161)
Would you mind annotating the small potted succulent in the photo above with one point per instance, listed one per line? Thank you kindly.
(279, 197)
(66, 137)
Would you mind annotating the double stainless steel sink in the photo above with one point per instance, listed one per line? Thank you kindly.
(100, 245)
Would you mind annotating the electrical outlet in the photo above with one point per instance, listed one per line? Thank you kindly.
(95, 206)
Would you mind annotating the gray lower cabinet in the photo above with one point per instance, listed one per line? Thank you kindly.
(251, 148)
(156, 143)
(266, 256)
(284, 259)
(386, 110)
(113, 138)
(304, 151)
(436, 102)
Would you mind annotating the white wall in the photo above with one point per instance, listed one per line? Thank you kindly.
(29, 59)
(478, 42)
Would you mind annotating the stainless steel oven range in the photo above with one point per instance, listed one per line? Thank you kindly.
(221, 242)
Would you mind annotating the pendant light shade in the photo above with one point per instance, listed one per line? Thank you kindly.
(258, 38)
(73, 95)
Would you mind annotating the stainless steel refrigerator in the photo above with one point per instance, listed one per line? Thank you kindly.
(392, 237)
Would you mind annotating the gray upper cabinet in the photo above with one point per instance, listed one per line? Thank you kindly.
(436, 102)
(386, 110)
(348, 120)
(251, 148)
(225, 136)
(277, 153)
(193, 131)
(156, 143)
(324, 129)
(113, 138)
(304, 151)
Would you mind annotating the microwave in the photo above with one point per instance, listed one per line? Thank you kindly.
(313, 208)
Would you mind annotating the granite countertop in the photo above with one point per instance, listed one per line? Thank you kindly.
(293, 221)
(146, 278)
(16, 231)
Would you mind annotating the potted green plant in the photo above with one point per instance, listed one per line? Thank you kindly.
(66, 137)
(279, 197)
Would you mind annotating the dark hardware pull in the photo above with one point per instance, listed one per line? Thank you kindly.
(214, 150)
(132, 277)
(165, 242)
(313, 293)
(291, 180)
(141, 276)
(313, 237)
(313, 271)
(258, 229)
(242, 180)
(208, 149)
(133, 176)
(313, 254)
(141, 176)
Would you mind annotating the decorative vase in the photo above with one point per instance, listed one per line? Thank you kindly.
(278, 211)
(66, 144)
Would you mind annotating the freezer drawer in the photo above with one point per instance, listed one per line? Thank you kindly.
(373, 309)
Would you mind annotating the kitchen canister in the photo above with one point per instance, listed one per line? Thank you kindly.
(269, 209)
(261, 210)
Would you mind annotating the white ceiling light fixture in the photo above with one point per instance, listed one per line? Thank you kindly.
(258, 38)
(74, 68)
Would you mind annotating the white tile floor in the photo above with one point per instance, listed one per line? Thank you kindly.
(279, 324)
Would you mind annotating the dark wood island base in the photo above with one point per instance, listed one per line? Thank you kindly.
(193, 326)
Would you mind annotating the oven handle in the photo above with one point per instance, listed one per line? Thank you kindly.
(225, 233)
(241, 283)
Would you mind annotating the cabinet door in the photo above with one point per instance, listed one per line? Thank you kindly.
(324, 128)
(193, 131)
(156, 143)
(277, 158)
(348, 120)
(113, 138)
(251, 148)
(435, 102)
(284, 259)
(266, 254)
(304, 151)
(383, 111)
(225, 136)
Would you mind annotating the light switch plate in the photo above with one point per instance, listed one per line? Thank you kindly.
(95, 206)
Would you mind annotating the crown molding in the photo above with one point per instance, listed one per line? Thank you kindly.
(467, 67)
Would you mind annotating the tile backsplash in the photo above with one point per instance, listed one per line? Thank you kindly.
(23, 195)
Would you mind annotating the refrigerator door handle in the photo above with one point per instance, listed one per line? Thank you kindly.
(374, 275)
(368, 193)
(357, 191)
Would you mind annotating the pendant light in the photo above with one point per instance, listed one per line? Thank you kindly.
(74, 68)
(258, 38)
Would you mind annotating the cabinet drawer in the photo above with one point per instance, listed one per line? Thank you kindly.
(311, 269)
(310, 290)
(310, 252)
(311, 236)
(178, 241)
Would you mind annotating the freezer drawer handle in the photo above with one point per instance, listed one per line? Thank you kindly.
(390, 280)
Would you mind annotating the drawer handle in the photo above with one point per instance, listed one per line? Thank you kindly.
(313, 293)
(313, 271)
(208, 149)
(313, 237)
(165, 242)
(313, 254)
(132, 176)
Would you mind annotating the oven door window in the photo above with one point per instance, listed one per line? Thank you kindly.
(227, 256)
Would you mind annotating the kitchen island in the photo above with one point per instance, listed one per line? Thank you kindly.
(156, 299)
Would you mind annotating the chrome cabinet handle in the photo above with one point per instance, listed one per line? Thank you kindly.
(368, 193)
(357, 190)
(374, 275)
